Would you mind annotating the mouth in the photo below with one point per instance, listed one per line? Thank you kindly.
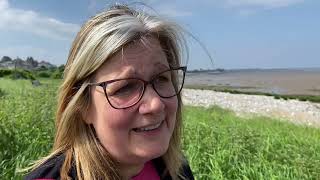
(148, 128)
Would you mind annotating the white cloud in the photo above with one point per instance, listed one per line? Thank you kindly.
(4, 4)
(263, 3)
(32, 22)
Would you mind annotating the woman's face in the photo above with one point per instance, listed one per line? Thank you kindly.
(124, 132)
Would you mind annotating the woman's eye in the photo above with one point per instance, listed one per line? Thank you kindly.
(162, 79)
(125, 90)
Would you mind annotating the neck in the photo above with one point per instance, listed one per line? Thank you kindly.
(128, 171)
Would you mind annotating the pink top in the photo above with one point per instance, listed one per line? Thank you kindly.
(148, 172)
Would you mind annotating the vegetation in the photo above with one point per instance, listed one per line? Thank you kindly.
(232, 90)
(22, 74)
(5, 72)
(2, 93)
(26, 123)
(42, 72)
(29, 69)
(218, 144)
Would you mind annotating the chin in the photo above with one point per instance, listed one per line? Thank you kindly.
(150, 153)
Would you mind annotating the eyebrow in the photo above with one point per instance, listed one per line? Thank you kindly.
(125, 73)
(161, 66)
(132, 73)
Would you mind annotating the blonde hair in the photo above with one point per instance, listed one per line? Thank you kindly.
(100, 38)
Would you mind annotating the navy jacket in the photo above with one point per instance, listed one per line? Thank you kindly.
(51, 170)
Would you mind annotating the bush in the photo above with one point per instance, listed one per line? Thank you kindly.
(5, 72)
(57, 74)
(2, 92)
(44, 74)
(22, 74)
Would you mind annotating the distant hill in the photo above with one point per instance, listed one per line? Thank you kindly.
(29, 63)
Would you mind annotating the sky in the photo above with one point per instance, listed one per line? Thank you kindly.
(238, 34)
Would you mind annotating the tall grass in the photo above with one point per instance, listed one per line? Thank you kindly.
(218, 144)
(26, 124)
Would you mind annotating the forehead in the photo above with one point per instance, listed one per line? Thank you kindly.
(141, 57)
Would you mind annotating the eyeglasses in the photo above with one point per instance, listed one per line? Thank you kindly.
(125, 93)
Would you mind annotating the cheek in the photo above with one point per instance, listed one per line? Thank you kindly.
(105, 118)
(112, 127)
(117, 119)
(172, 108)
(173, 105)
(113, 119)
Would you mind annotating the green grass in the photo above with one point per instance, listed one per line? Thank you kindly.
(218, 144)
(26, 124)
(2, 93)
(234, 90)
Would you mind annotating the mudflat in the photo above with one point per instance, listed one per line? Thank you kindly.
(278, 81)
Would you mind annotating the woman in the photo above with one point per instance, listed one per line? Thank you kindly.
(119, 109)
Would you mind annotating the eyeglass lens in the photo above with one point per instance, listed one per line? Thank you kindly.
(124, 93)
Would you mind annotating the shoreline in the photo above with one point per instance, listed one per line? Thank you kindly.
(255, 91)
(284, 82)
(295, 111)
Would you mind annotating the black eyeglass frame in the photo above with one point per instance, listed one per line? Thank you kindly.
(146, 83)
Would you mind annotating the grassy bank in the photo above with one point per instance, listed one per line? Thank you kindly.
(235, 90)
(26, 123)
(218, 144)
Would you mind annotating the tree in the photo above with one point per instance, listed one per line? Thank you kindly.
(32, 62)
(61, 68)
(5, 59)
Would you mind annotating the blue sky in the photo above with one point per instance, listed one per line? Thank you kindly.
(237, 33)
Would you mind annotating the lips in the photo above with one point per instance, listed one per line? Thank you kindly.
(148, 127)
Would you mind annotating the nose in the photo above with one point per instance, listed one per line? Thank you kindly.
(151, 102)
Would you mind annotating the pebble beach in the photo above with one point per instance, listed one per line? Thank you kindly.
(298, 112)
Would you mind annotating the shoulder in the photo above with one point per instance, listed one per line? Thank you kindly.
(186, 171)
(49, 169)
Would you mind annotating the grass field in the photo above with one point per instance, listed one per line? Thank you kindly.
(218, 144)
